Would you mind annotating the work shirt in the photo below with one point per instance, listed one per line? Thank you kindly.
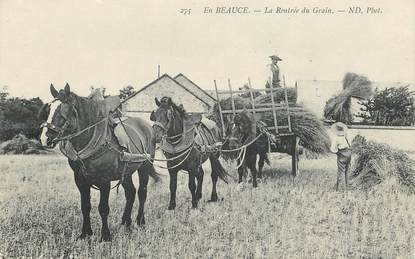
(274, 75)
(339, 143)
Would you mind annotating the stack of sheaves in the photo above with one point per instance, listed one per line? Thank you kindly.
(305, 124)
(22, 145)
(379, 164)
(338, 107)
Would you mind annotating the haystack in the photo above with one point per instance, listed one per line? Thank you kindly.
(305, 124)
(375, 163)
(338, 107)
(20, 144)
(279, 96)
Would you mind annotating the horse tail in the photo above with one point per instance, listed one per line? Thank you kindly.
(218, 169)
(264, 157)
(152, 171)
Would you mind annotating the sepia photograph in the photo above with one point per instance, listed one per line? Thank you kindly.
(207, 129)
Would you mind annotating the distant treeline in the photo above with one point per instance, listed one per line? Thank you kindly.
(19, 115)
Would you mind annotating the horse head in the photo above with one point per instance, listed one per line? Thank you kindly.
(242, 129)
(167, 118)
(61, 116)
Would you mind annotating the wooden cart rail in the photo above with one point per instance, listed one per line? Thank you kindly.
(283, 132)
(256, 107)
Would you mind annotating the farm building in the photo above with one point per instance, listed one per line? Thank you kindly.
(191, 86)
(182, 91)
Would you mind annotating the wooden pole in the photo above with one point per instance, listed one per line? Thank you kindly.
(252, 99)
(273, 110)
(295, 155)
(288, 106)
(158, 71)
(233, 101)
(220, 109)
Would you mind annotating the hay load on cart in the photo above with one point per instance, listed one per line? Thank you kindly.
(290, 123)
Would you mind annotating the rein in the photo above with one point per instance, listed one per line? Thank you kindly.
(76, 134)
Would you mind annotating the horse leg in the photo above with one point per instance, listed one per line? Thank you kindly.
(173, 187)
(192, 187)
(214, 175)
(145, 171)
(241, 170)
(251, 163)
(262, 157)
(104, 210)
(199, 183)
(85, 192)
(129, 191)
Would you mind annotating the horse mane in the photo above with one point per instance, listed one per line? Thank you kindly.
(86, 105)
(179, 108)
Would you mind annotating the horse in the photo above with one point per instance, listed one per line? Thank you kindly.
(255, 136)
(95, 155)
(185, 140)
(245, 133)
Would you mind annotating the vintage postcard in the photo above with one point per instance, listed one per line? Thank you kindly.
(207, 129)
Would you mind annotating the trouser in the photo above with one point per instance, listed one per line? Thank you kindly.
(344, 157)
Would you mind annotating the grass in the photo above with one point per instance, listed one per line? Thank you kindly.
(283, 218)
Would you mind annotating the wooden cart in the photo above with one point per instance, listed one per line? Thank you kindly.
(287, 141)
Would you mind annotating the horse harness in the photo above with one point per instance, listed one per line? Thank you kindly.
(100, 143)
(195, 135)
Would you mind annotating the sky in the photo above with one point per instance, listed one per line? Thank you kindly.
(118, 43)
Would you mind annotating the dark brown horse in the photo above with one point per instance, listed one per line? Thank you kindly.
(94, 153)
(185, 141)
(245, 132)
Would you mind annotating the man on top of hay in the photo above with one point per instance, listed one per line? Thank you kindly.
(274, 77)
(340, 145)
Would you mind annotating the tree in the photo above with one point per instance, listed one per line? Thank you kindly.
(4, 93)
(393, 106)
(126, 92)
(19, 115)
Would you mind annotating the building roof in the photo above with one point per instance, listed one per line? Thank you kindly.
(184, 80)
(173, 81)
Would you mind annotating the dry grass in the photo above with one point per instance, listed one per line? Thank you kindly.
(40, 216)
(376, 163)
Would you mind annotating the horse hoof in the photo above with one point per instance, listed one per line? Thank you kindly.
(84, 235)
(213, 199)
(240, 186)
(128, 229)
(105, 238)
(141, 222)
(126, 222)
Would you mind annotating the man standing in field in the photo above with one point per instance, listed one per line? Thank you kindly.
(340, 145)
(274, 73)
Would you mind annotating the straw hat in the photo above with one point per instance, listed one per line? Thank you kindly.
(275, 57)
(339, 128)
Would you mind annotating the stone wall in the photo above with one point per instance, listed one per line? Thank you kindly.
(195, 89)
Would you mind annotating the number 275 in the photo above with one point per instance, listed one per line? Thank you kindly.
(185, 11)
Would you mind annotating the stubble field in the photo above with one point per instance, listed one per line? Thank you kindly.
(284, 218)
